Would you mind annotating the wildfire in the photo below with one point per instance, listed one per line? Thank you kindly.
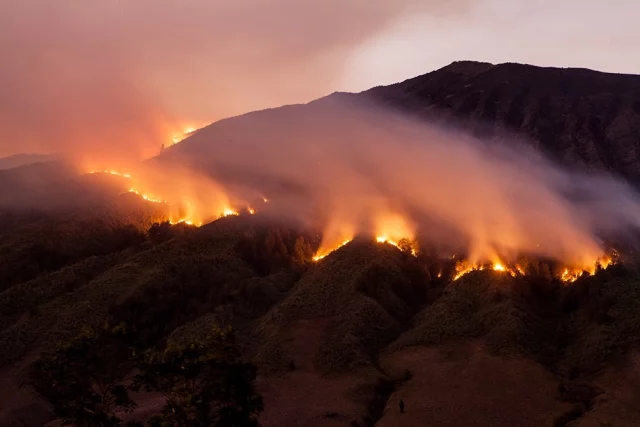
(229, 212)
(123, 175)
(572, 274)
(325, 252)
(463, 267)
(146, 196)
(568, 274)
(187, 205)
(185, 133)
(499, 267)
(185, 221)
(385, 239)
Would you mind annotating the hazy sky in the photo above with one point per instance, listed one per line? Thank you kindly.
(104, 75)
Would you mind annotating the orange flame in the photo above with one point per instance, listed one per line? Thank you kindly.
(385, 239)
(183, 134)
(568, 274)
(389, 226)
(324, 252)
(146, 196)
(111, 172)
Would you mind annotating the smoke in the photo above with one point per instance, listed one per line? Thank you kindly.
(105, 80)
(363, 170)
(106, 83)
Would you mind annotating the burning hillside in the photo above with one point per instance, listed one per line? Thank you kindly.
(349, 171)
(387, 227)
(183, 203)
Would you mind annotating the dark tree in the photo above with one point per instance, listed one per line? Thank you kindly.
(83, 378)
(159, 232)
(206, 383)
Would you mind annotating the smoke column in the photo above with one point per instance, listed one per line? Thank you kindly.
(367, 170)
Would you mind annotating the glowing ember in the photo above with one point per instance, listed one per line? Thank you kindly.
(229, 212)
(499, 267)
(324, 253)
(264, 199)
(385, 239)
(251, 210)
(185, 221)
(186, 132)
(567, 274)
(572, 274)
(123, 175)
(146, 196)
(463, 267)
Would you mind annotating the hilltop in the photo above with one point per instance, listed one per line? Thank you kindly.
(581, 118)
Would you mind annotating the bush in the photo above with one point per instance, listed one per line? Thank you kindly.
(83, 378)
(205, 382)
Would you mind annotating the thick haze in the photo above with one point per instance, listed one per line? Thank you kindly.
(360, 170)
(94, 78)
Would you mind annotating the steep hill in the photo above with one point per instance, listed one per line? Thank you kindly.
(581, 118)
(578, 116)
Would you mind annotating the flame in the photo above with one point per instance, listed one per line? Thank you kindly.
(385, 239)
(146, 196)
(229, 212)
(111, 172)
(392, 228)
(191, 199)
(499, 267)
(183, 134)
(571, 274)
(464, 266)
(568, 274)
(322, 254)
(189, 205)
(185, 221)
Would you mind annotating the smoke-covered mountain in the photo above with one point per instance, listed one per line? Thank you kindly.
(24, 159)
(342, 340)
(580, 117)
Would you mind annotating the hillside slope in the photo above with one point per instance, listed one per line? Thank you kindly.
(581, 118)
(578, 116)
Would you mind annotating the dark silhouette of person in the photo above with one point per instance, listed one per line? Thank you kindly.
(401, 404)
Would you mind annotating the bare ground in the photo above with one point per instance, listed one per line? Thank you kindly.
(303, 397)
(463, 385)
(619, 405)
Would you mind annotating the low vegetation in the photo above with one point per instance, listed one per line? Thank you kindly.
(166, 288)
(88, 380)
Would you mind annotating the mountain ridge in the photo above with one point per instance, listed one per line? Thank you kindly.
(581, 118)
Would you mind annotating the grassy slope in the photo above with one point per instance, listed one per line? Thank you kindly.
(335, 317)
(364, 290)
